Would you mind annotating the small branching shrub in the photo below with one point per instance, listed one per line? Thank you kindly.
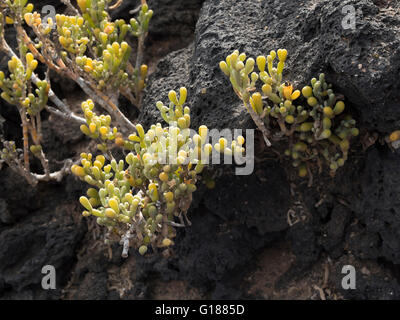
(86, 47)
(143, 198)
(314, 128)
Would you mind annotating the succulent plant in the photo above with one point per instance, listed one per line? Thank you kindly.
(314, 127)
(87, 47)
(142, 198)
(15, 89)
(110, 65)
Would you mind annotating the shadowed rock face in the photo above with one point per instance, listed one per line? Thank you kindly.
(359, 214)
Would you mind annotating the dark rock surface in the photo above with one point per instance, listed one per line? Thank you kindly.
(49, 234)
(372, 281)
(379, 206)
(353, 218)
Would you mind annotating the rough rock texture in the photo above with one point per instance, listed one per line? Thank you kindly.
(350, 219)
(172, 26)
(44, 229)
(378, 208)
(372, 282)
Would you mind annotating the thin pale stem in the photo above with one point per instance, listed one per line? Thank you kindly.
(45, 164)
(25, 138)
(104, 101)
(66, 116)
(260, 124)
(116, 5)
(90, 90)
(66, 111)
(71, 7)
(57, 175)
